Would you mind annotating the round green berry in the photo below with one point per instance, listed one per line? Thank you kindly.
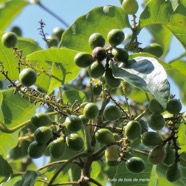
(96, 70)
(115, 37)
(91, 111)
(154, 49)
(36, 150)
(57, 148)
(43, 134)
(133, 130)
(74, 142)
(120, 54)
(105, 136)
(130, 6)
(174, 106)
(155, 106)
(156, 121)
(147, 137)
(157, 155)
(41, 119)
(135, 165)
(9, 39)
(83, 59)
(95, 40)
(73, 123)
(112, 113)
(27, 77)
(17, 30)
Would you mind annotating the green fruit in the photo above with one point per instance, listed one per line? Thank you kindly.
(16, 30)
(43, 134)
(36, 150)
(154, 49)
(52, 41)
(156, 121)
(99, 54)
(157, 154)
(151, 139)
(84, 119)
(73, 123)
(83, 59)
(112, 153)
(96, 70)
(97, 89)
(115, 37)
(170, 155)
(144, 126)
(57, 32)
(112, 113)
(130, 6)
(120, 54)
(173, 172)
(117, 137)
(91, 111)
(74, 142)
(135, 165)
(155, 106)
(57, 148)
(112, 163)
(174, 106)
(110, 80)
(133, 130)
(27, 77)
(41, 119)
(95, 40)
(161, 169)
(104, 136)
(9, 39)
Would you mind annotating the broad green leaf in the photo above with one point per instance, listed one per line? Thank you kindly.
(71, 96)
(9, 10)
(29, 178)
(162, 12)
(178, 74)
(5, 170)
(11, 181)
(182, 137)
(161, 35)
(9, 60)
(15, 110)
(147, 74)
(59, 65)
(100, 19)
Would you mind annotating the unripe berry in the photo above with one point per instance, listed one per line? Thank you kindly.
(9, 39)
(95, 40)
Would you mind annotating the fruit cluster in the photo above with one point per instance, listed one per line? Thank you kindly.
(99, 62)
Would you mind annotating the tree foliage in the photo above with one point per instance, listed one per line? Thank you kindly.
(88, 102)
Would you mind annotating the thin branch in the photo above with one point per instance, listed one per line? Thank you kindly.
(83, 154)
(53, 14)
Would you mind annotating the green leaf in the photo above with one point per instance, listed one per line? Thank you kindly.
(162, 12)
(9, 10)
(178, 74)
(59, 65)
(5, 170)
(182, 137)
(29, 178)
(147, 74)
(71, 96)
(15, 110)
(11, 181)
(100, 19)
(7, 56)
